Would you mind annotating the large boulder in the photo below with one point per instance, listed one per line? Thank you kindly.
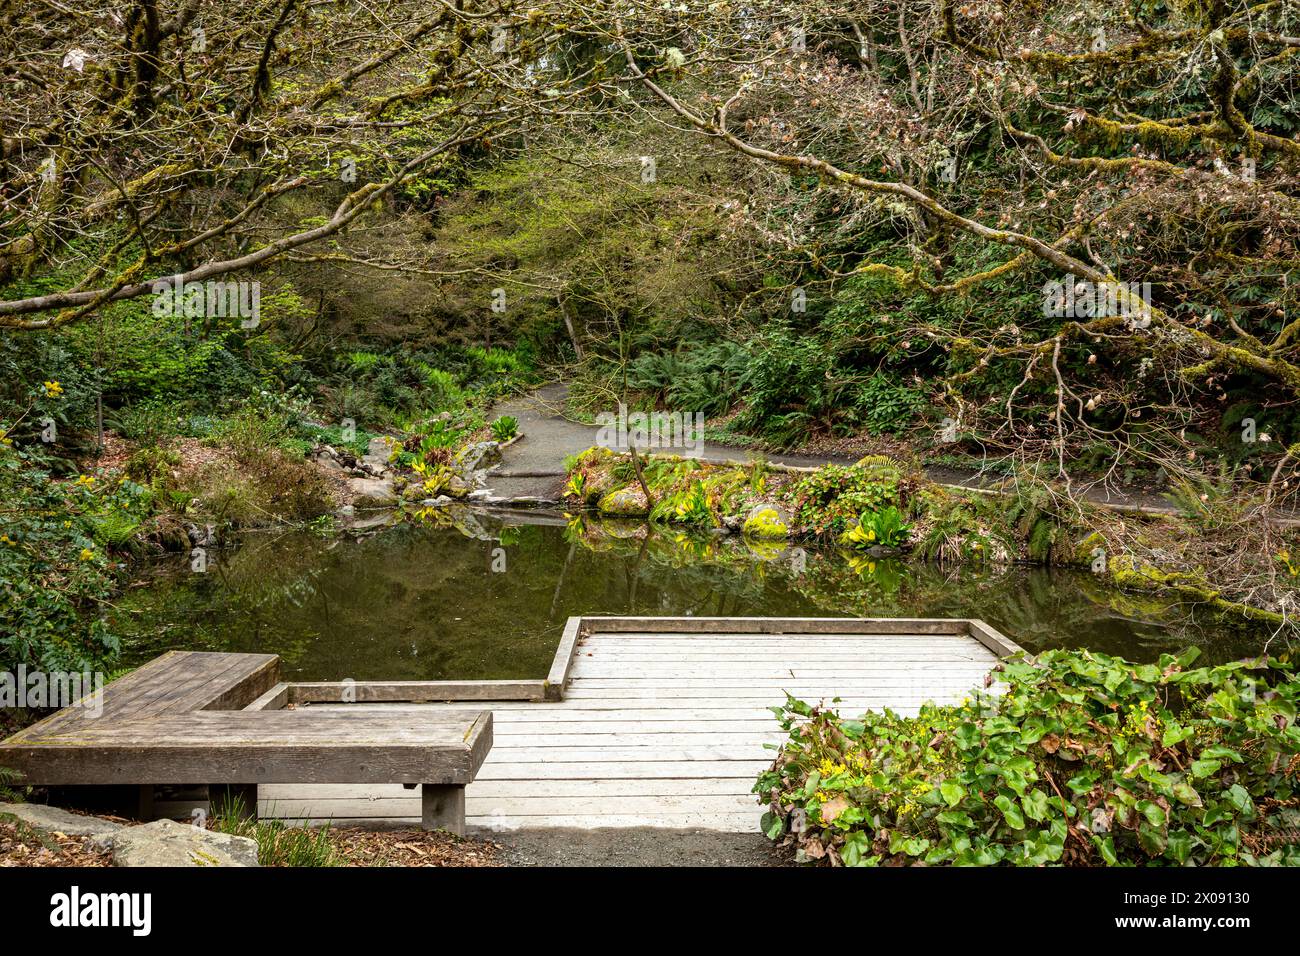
(767, 523)
(628, 502)
(168, 843)
(372, 492)
(99, 833)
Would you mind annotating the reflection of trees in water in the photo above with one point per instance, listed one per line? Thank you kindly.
(1040, 608)
(418, 603)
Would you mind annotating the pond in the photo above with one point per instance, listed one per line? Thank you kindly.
(486, 596)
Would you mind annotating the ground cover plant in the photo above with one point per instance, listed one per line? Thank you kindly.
(1083, 759)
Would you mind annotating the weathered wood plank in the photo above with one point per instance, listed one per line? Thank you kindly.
(307, 692)
(597, 624)
(583, 769)
(262, 747)
(277, 698)
(558, 678)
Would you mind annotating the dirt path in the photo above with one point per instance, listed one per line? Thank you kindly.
(535, 466)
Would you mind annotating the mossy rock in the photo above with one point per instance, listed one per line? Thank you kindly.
(628, 502)
(1083, 551)
(766, 523)
(766, 549)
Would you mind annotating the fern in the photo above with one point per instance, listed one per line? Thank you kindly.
(8, 780)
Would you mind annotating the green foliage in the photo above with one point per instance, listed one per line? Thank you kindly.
(884, 528)
(55, 577)
(791, 386)
(702, 379)
(1209, 502)
(10, 791)
(1032, 514)
(505, 428)
(693, 506)
(956, 529)
(884, 404)
(831, 498)
(402, 386)
(278, 844)
(1086, 759)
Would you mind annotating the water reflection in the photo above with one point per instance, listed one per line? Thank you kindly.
(488, 597)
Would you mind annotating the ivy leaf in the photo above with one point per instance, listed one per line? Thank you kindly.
(1010, 811)
(772, 825)
(952, 792)
(1106, 847)
(1154, 813)
(1186, 793)
(1036, 805)
(1204, 768)
(1179, 846)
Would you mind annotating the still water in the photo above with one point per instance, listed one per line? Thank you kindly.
(485, 597)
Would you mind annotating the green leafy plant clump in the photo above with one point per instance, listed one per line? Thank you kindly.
(505, 428)
(277, 843)
(1084, 759)
(884, 528)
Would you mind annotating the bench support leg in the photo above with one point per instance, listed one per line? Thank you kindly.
(443, 807)
(241, 797)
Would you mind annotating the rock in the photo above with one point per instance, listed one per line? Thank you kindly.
(477, 456)
(628, 501)
(732, 523)
(98, 833)
(168, 843)
(372, 492)
(375, 519)
(767, 522)
(460, 486)
(326, 459)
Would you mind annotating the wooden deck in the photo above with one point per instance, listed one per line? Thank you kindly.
(662, 721)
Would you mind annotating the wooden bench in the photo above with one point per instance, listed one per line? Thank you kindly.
(180, 719)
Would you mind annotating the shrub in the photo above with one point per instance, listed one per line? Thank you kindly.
(505, 428)
(55, 579)
(882, 528)
(1085, 759)
(831, 498)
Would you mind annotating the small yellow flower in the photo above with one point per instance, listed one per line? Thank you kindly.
(53, 389)
(87, 554)
(87, 481)
(6, 539)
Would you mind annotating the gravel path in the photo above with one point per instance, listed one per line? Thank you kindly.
(636, 846)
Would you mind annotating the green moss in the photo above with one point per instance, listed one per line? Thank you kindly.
(628, 501)
(765, 524)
